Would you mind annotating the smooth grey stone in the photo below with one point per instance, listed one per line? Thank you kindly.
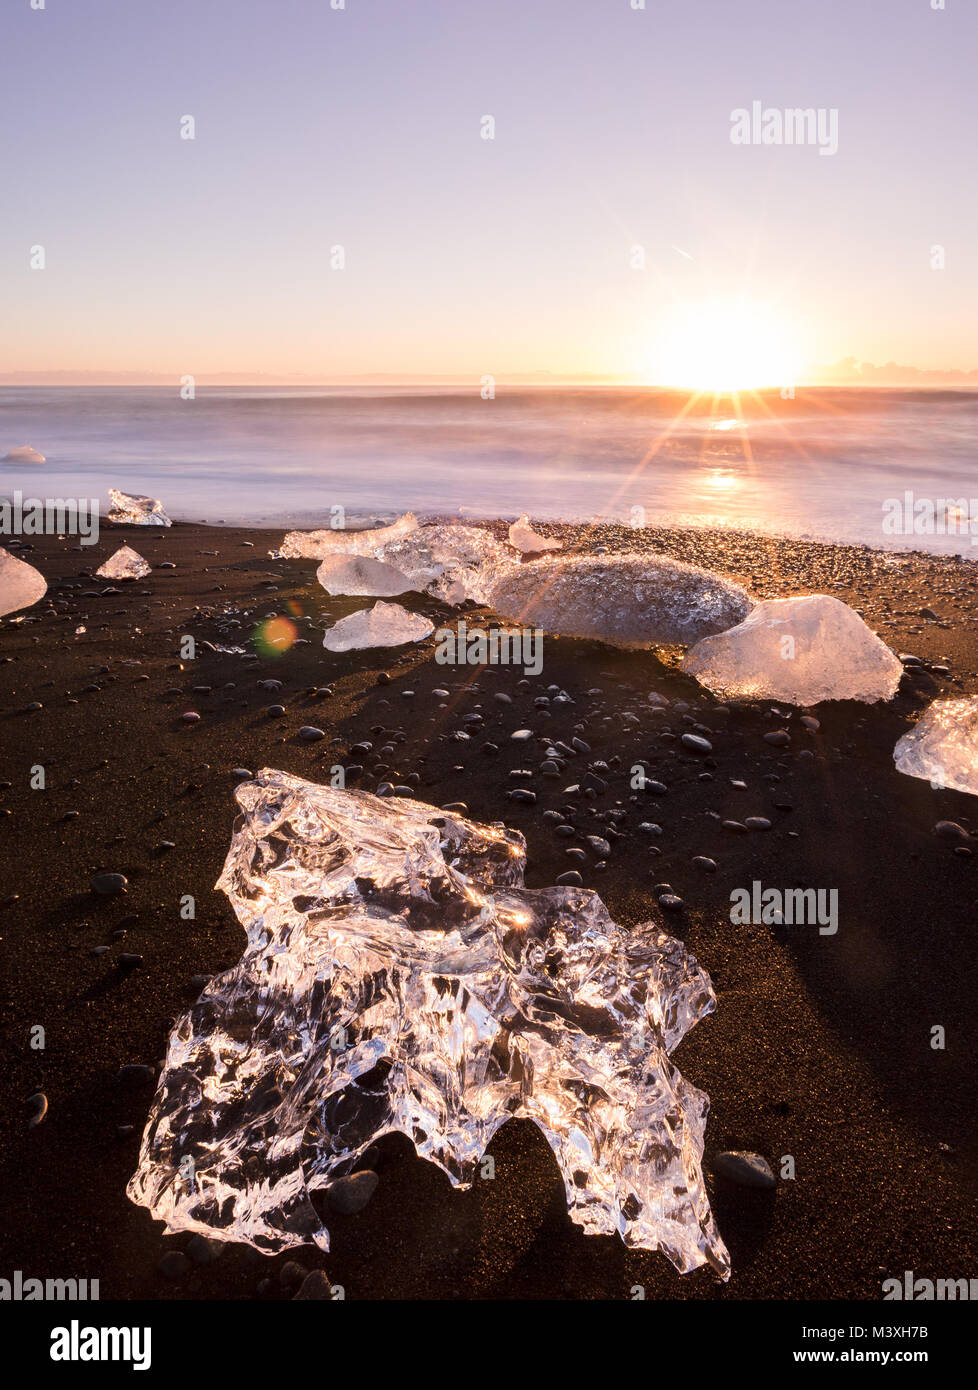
(351, 1194)
(173, 1265)
(745, 1169)
(108, 885)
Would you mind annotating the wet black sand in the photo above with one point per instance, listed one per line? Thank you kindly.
(819, 1048)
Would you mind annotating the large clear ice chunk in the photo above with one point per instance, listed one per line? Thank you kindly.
(943, 745)
(20, 583)
(136, 511)
(625, 600)
(316, 545)
(799, 650)
(126, 563)
(359, 575)
(384, 625)
(397, 976)
(453, 563)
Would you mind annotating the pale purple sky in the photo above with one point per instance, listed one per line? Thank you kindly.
(360, 127)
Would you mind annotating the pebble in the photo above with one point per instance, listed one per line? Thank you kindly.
(950, 830)
(351, 1194)
(696, 744)
(600, 847)
(39, 1101)
(570, 879)
(109, 885)
(315, 1285)
(670, 902)
(203, 1251)
(521, 794)
(291, 1274)
(707, 865)
(190, 716)
(757, 823)
(134, 1071)
(522, 735)
(173, 1265)
(778, 739)
(309, 733)
(275, 711)
(745, 1169)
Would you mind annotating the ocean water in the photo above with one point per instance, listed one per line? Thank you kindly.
(828, 464)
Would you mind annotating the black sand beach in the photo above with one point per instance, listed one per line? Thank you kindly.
(820, 1047)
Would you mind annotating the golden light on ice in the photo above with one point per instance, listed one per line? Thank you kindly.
(722, 346)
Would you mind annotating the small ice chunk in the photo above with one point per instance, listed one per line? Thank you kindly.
(23, 454)
(384, 625)
(136, 511)
(359, 575)
(525, 539)
(942, 747)
(126, 563)
(20, 584)
(625, 600)
(316, 545)
(800, 650)
(398, 977)
(451, 562)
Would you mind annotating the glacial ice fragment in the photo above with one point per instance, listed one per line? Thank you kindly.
(360, 575)
(23, 454)
(625, 600)
(528, 541)
(136, 511)
(126, 563)
(398, 976)
(316, 545)
(800, 650)
(943, 745)
(20, 583)
(451, 562)
(384, 625)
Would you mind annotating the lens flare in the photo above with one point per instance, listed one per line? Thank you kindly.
(276, 636)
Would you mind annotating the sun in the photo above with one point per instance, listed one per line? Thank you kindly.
(724, 346)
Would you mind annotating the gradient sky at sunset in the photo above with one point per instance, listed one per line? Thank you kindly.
(361, 127)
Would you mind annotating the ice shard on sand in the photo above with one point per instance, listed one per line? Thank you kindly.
(126, 563)
(20, 583)
(942, 746)
(799, 650)
(136, 511)
(384, 625)
(397, 976)
(316, 545)
(360, 575)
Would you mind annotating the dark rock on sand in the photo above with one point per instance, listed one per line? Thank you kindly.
(351, 1194)
(745, 1169)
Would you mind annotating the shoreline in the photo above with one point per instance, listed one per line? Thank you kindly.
(819, 1046)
